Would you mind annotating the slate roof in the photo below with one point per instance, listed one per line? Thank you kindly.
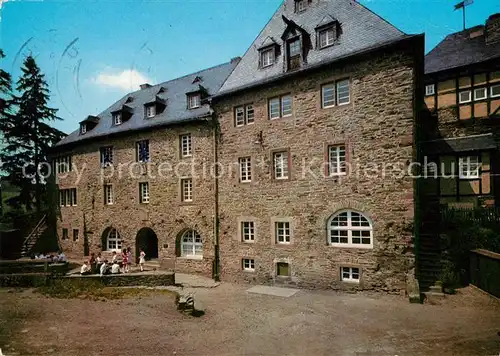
(460, 144)
(361, 29)
(459, 49)
(173, 94)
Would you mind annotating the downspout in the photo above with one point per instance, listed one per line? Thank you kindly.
(216, 265)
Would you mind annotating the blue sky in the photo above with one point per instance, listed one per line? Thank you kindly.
(94, 52)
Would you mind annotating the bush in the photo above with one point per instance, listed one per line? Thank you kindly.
(463, 231)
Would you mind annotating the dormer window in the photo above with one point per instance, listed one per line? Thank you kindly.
(328, 31)
(294, 53)
(194, 101)
(117, 118)
(267, 57)
(83, 129)
(301, 5)
(150, 111)
(326, 37)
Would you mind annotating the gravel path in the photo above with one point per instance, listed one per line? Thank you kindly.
(240, 323)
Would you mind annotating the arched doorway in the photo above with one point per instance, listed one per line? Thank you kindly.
(148, 241)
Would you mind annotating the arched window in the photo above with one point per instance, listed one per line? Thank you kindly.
(191, 244)
(351, 229)
(113, 241)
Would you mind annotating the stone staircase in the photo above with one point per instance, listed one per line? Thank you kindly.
(31, 240)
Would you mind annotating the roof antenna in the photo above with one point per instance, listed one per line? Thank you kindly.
(462, 5)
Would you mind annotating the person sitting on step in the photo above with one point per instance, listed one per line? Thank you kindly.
(85, 270)
(115, 268)
(104, 269)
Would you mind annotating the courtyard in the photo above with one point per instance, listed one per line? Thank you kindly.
(240, 323)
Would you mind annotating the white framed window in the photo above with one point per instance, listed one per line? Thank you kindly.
(63, 164)
(186, 146)
(343, 92)
(244, 115)
(113, 241)
(117, 118)
(142, 151)
(150, 111)
(191, 244)
(239, 116)
(286, 105)
(144, 192)
(429, 89)
(249, 114)
(495, 91)
(194, 101)
(245, 169)
(267, 57)
(469, 167)
(280, 106)
(274, 108)
(350, 229)
(68, 197)
(282, 231)
(106, 156)
(328, 95)
(108, 194)
(464, 97)
(480, 93)
(349, 274)
(247, 231)
(187, 189)
(337, 160)
(83, 129)
(73, 196)
(326, 37)
(248, 264)
(280, 160)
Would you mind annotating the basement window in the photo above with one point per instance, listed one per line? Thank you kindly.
(350, 274)
(248, 264)
(282, 269)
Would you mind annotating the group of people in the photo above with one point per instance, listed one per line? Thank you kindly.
(58, 257)
(103, 266)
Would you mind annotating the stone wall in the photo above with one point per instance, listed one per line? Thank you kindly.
(126, 280)
(166, 214)
(376, 127)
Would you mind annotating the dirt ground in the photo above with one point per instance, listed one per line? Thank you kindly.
(240, 323)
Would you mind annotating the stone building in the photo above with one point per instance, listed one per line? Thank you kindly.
(460, 132)
(137, 175)
(312, 136)
(321, 103)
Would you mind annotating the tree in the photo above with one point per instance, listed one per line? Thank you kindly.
(5, 111)
(29, 137)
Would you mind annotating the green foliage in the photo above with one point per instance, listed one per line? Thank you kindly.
(463, 231)
(28, 137)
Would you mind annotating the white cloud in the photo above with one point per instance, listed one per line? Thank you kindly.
(128, 79)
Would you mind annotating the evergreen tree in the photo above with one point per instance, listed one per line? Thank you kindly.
(5, 112)
(29, 137)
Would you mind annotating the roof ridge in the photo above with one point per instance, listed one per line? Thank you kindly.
(178, 78)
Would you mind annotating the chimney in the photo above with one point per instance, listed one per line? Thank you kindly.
(493, 29)
(235, 59)
(145, 86)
